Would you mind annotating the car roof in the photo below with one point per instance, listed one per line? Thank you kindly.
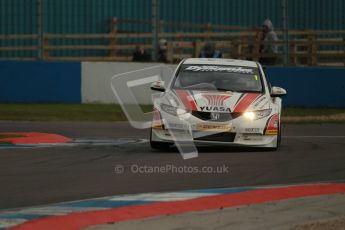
(220, 61)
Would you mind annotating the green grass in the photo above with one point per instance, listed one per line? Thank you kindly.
(300, 111)
(64, 112)
(3, 136)
(5, 143)
(108, 112)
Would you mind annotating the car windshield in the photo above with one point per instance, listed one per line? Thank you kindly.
(218, 77)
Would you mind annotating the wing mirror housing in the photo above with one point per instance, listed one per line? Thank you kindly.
(278, 92)
(158, 86)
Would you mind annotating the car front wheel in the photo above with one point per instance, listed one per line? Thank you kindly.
(157, 144)
(279, 137)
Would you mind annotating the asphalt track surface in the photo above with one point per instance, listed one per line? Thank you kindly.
(36, 176)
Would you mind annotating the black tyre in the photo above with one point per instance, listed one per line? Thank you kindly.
(157, 144)
(279, 138)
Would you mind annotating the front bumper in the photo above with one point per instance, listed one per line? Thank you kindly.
(237, 132)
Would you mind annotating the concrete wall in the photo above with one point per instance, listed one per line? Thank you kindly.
(306, 86)
(96, 80)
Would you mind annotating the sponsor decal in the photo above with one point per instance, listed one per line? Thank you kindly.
(215, 103)
(216, 100)
(252, 130)
(208, 68)
(214, 109)
(258, 101)
(177, 126)
(271, 132)
(213, 127)
(263, 105)
(272, 125)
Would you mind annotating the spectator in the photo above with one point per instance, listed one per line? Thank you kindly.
(162, 50)
(268, 46)
(209, 51)
(140, 55)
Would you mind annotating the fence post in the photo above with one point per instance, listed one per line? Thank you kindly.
(344, 51)
(312, 50)
(293, 53)
(309, 49)
(244, 41)
(160, 32)
(194, 48)
(40, 29)
(197, 47)
(285, 22)
(113, 33)
(45, 55)
(235, 49)
(155, 25)
(256, 45)
(170, 52)
(161, 26)
(208, 31)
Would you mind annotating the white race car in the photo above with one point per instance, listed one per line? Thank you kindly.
(217, 101)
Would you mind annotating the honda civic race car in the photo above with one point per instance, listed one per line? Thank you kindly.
(217, 101)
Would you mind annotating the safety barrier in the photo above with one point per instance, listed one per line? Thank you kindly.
(310, 87)
(89, 82)
(43, 82)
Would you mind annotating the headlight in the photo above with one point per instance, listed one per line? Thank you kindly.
(169, 109)
(249, 115)
(183, 114)
(180, 112)
(254, 115)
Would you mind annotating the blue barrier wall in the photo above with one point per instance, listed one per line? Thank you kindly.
(40, 82)
(310, 87)
(60, 82)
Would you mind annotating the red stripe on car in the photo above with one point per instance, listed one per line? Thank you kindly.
(187, 99)
(245, 102)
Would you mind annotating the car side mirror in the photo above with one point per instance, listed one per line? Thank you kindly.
(277, 92)
(158, 86)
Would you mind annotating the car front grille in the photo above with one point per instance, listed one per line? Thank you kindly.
(221, 117)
